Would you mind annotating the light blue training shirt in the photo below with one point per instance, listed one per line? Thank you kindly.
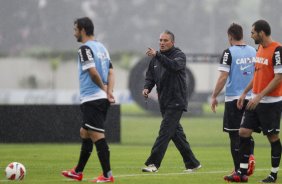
(238, 61)
(92, 54)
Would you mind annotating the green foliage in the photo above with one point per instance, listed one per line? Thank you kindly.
(55, 62)
(124, 59)
(47, 54)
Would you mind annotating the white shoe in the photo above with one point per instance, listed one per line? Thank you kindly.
(150, 168)
(193, 169)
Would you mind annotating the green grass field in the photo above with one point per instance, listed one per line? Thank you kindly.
(44, 162)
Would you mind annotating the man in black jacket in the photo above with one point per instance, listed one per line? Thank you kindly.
(167, 71)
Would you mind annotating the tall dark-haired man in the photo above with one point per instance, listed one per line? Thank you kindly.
(96, 79)
(167, 71)
(263, 111)
(236, 71)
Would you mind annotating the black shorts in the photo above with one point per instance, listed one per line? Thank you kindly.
(232, 116)
(266, 118)
(94, 114)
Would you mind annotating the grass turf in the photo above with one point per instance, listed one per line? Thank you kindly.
(44, 162)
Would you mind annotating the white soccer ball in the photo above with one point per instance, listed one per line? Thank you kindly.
(15, 171)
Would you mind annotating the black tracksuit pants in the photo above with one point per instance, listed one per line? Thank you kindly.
(171, 129)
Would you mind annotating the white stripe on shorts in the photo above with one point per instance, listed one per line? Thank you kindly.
(228, 129)
(94, 128)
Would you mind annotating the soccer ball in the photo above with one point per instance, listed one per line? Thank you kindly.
(15, 171)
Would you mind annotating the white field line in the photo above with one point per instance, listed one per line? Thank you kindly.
(180, 173)
(155, 174)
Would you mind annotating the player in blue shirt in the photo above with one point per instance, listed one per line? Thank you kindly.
(236, 71)
(96, 82)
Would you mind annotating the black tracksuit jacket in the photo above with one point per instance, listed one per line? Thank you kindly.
(167, 70)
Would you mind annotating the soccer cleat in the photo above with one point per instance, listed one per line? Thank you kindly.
(251, 166)
(193, 169)
(72, 174)
(233, 172)
(269, 179)
(150, 168)
(237, 178)
(103, 179)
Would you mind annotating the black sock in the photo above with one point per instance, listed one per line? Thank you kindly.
(234, 148)
(86, 150)
(275, 157)
(104, 156)
(244, 152)
(252, 146)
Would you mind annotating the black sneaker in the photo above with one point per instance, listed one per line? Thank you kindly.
(237, 178)
(269, 179)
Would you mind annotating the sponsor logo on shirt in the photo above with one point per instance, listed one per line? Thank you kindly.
(245, 63)
(89, 54)
(245, 60)
(247, 73)
(261, 60)
(225, 58)
(245, 67)
(277, 58)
